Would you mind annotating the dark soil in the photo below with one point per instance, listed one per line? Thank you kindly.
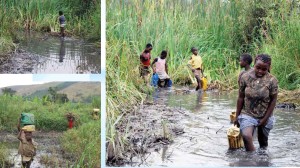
(146, 129)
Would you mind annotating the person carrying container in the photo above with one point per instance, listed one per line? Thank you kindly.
(195, 63)
(27, 146)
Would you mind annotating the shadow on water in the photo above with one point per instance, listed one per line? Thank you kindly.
(205, 142)
(62, 56)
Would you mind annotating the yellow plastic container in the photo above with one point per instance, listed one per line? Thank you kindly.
(232, 116)
(29, 128)
(204, 83)
(235, 139)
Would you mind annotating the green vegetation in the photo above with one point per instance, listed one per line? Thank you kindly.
(82, 18)
(221, 30)
(82, 143)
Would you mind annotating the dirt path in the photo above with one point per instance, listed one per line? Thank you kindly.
(49, 153)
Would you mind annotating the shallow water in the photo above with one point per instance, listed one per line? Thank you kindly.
(49, 152)
(205, 143)
(62, 56)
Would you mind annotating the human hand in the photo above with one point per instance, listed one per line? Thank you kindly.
(262, 122)
(235, 122)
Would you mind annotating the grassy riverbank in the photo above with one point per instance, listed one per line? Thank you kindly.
(221, 30)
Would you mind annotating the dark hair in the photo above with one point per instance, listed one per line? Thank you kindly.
(247, 58)
(193, 49)
(60, 12)
(265, 58)
(164, 53)
(148, 45)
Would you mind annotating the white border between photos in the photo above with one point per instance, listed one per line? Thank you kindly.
(103, 82)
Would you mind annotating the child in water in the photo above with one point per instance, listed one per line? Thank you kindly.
(245, 62)
(258, 90)
(195, 63)
(145, 59)
(27, 147)
(62, 23)
(161, 68)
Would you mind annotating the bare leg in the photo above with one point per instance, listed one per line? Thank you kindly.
(198, 82)
(247, 134)
(262, 138)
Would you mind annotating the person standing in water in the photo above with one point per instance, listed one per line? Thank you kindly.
(245, 62)
(62, 23)
(195, 63)
(256, 101)
(145, 60)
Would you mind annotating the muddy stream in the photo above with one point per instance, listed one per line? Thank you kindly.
(204, 141)
(46, 54)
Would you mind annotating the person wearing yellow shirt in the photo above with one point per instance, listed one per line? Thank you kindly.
(195, 63)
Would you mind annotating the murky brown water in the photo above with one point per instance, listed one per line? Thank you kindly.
(205, 143)
(62, 56)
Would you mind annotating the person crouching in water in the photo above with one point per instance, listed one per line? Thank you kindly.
(27, 148)
(195, 63)
(256, 101)
(161, 68)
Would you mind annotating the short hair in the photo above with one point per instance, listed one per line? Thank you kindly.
(193, 49)
(148, 45)
(247, 58)
(61, 12)
(265, 58)
(164, 53)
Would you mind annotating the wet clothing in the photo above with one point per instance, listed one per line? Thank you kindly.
(62, 20)
(248, 121)
(195, 62)
(257, 93)
(27, 149)
(241, 74)
(160, 68)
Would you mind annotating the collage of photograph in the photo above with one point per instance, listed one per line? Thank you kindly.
(149, 83)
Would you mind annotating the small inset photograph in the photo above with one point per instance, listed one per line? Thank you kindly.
(53, 124)
(50, 37)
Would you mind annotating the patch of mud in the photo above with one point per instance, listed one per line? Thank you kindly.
(146, 129)
(20, 62)
(49, 152)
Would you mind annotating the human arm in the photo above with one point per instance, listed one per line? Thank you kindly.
(239, 106)
(190, 64)
(240, 101)
(153, 62)
(269, 112)
(19, 124)
(21, 135)
(166, 68)
(273, 98)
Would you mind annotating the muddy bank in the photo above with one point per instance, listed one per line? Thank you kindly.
(49, 152)
(146, 129)
(20, 62)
